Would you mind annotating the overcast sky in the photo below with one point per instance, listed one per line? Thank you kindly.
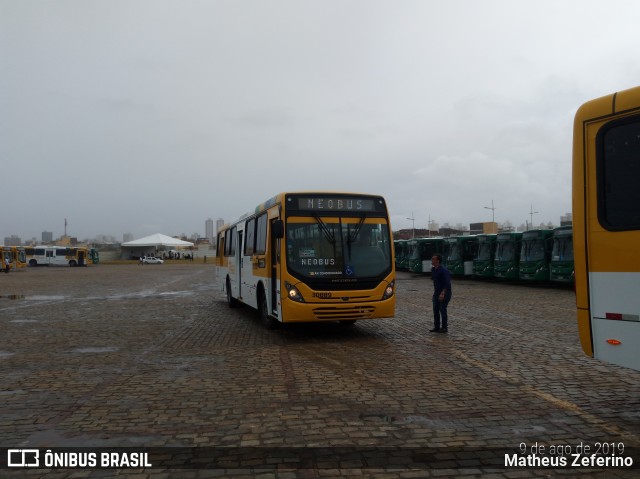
(148, 116)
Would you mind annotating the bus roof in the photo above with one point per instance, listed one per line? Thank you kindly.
(611, 104)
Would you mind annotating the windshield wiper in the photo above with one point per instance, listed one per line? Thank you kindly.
(353, 235)
(328, 234)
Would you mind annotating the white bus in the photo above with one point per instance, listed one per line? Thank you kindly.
(56, 255)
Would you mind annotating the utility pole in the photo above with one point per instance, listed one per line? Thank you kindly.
(532, 213)
(413, 223)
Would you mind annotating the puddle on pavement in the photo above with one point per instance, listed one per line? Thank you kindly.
(147, 295)
(23, 321)
(44, 298)
(35, 297)
(5, 354)
(95, 350)
(179, 294)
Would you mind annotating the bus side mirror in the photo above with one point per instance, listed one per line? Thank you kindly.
(278, 228)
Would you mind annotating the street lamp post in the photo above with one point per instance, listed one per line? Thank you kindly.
(531, 214)
(493, 211)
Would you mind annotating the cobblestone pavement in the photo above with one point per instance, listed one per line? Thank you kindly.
(130, 356)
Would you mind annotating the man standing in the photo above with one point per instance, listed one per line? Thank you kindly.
(441, 294)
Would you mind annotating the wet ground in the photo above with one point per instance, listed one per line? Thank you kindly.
(152, 357)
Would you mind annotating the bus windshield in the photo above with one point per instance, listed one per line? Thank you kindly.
(338, 247)
(562, 249)
(484, 252)
(532, 250)
(505, 251)
(452, 251)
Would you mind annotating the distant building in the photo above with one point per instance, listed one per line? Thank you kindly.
(47, 237)
(105, 239)
(447, 231)
(12, 240)
(219, 224)
(566, 219)
(67, 241)
(208, 229)
(486, 228)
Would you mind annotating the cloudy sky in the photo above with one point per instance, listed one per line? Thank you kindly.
(148, 116)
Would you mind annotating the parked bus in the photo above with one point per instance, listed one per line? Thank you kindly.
(94, 256)
(506, 264)
(56, 255)
(16, 257)
(562, 255)
(304, 257)
(485, 257)
(458, 253)
(535, 255)
(606, 226)
(401, 248)
(422, 251)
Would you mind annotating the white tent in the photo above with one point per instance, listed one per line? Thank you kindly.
(156, 240)
(151, 245)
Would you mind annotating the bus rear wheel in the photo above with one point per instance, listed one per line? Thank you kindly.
(33, 262)
(231, 301)
(72, 263)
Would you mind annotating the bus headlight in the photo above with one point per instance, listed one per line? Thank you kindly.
(293, 293)
(388, 291)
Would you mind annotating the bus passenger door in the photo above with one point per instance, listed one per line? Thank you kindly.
(239, 265)
(49, 257)
(276, 229)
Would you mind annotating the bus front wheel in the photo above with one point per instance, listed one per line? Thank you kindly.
(33, 262)
(267, 320)
(347, 322)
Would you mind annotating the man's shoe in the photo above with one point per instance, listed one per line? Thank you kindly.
(434, 330)
(444, 330)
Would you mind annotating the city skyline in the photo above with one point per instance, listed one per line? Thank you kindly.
(127, 236)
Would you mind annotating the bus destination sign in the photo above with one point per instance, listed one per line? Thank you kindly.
(336, 204)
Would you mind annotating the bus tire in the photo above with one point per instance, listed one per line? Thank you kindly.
(231, 301)
(347, 323)
(33, 262)
(72, 263)
(266, 319)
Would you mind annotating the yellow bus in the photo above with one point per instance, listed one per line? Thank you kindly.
(16, 257)
(305, 257)
(606, 226)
